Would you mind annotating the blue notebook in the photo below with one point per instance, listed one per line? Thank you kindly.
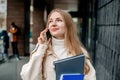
(71, 65)
(72, 76)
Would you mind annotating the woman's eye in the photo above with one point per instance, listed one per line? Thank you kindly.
(50, 21)
(59, 20)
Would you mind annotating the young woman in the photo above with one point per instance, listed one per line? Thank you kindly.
(63, 43)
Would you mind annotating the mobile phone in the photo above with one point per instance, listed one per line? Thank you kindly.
(48, 34)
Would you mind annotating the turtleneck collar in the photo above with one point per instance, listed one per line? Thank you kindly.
(59, 42)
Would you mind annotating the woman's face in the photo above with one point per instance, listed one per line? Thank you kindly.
(56, 25)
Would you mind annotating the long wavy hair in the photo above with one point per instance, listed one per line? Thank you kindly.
(72, 41)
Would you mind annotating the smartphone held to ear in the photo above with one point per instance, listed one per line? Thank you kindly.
(48, 34)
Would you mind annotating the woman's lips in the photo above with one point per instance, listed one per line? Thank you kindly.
(54, 29)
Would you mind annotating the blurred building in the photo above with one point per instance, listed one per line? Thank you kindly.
(98, 23)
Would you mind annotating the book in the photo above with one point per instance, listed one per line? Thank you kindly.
(70, 65)
(75, 76)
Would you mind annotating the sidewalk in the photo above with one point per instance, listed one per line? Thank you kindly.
(11, 70)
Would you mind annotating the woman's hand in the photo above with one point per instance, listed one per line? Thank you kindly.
(42, 38)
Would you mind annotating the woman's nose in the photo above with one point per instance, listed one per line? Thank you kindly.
(54, 23)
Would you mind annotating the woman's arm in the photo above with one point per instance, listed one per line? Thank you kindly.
(33, 69)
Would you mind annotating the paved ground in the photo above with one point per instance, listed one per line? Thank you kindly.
(11, 70)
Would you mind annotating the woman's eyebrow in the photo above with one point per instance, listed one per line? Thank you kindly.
(58, 18)
(55, 18)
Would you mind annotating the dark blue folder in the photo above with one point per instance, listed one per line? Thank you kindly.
(71, 65)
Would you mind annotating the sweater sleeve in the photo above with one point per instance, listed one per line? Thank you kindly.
(33, 69)
(91, 75)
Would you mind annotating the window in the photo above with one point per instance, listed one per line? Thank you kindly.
(3, 14)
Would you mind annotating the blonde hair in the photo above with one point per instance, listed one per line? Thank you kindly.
(72, 41)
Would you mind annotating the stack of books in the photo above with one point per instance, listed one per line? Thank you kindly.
(71, 68)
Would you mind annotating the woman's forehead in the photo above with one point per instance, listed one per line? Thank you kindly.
(55, 15)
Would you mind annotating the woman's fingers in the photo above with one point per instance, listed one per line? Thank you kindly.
(49, 40)
(42, 37)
